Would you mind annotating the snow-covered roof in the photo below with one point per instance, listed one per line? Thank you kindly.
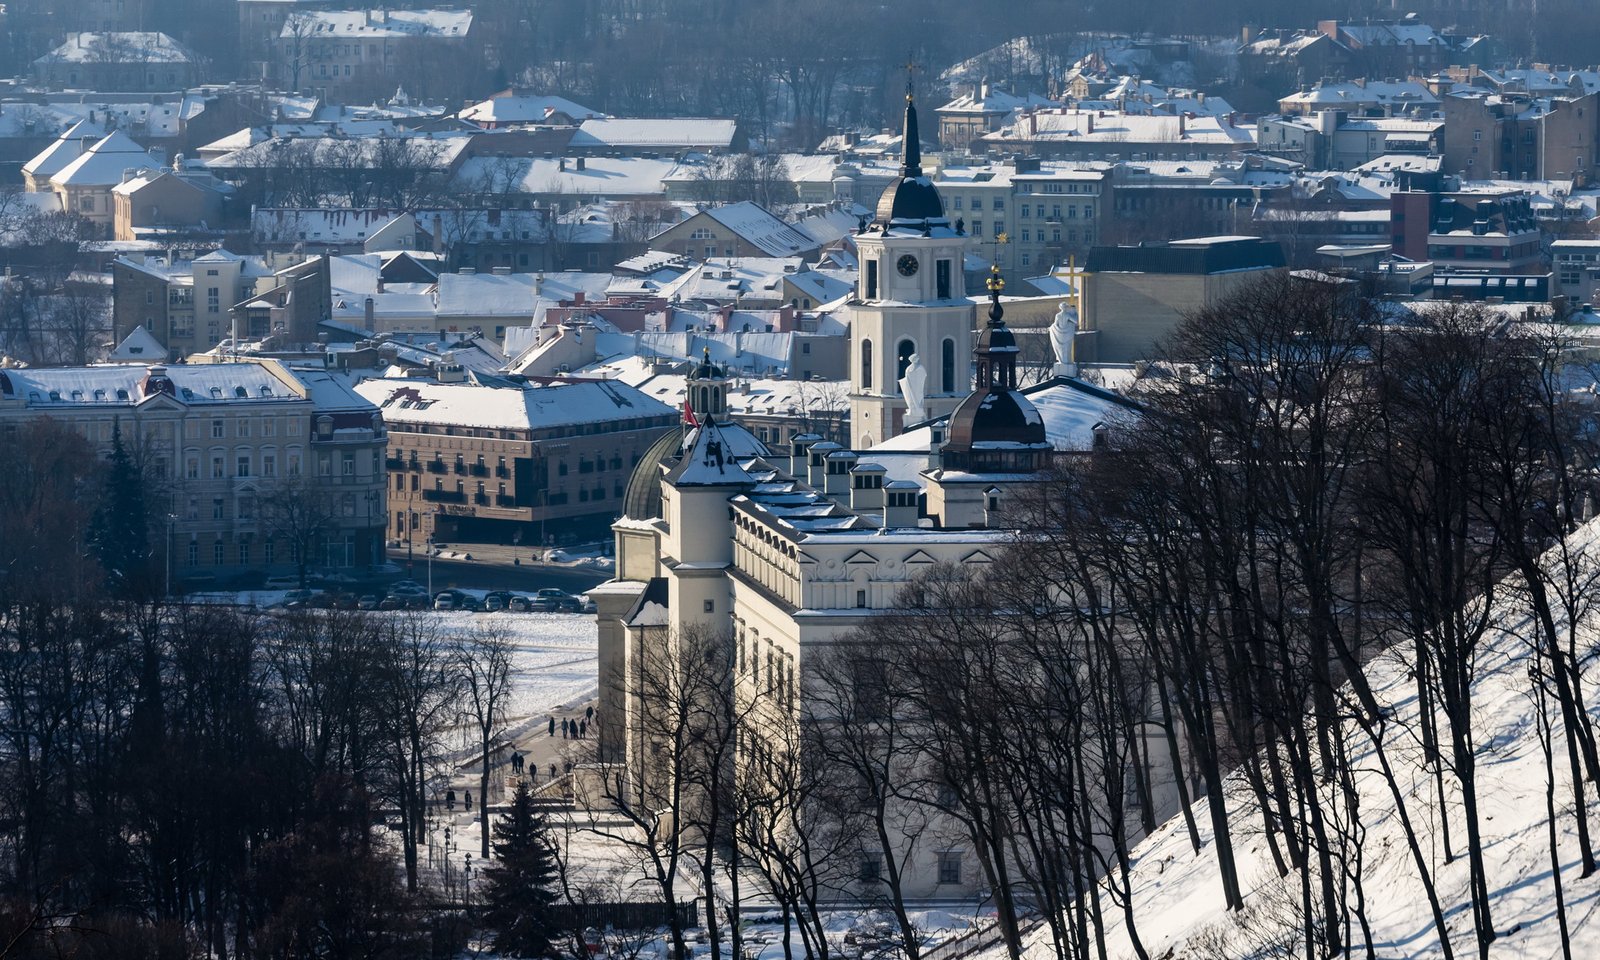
(525, 108)
(125, 47)
(486, 294)
(673, 132)
(709, 461)
(67, 148)
(103, 163)
(1069, 408)
(724, 279)
(1396, 93)
(318, 225)
(364, 24)
(600, 176)
(139, 344)
(987, 99)
(197, 384)
(762, 229)
(1103, 127)
(558, 404)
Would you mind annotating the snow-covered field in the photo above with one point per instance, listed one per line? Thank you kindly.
(1178, 898)
(555, 661)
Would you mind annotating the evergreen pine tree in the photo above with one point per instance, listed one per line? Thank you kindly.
(519, 887)
(121, 525)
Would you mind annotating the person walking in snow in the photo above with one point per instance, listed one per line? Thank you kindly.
(467, 796)
(552, 726)
(450, 800)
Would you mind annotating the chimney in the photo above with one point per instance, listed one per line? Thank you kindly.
(866, 488)
(371, 315)
(1183, 127)
(1033, 124)
(836, 484)
(899, 504)
(580, 163)
(1090, 118)
(438, 235)
(800, 453)
(817, 463)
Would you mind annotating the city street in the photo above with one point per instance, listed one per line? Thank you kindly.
(491, 569)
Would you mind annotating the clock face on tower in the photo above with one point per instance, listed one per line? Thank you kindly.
(907, 265)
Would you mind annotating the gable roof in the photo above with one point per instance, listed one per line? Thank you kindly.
(103, 163)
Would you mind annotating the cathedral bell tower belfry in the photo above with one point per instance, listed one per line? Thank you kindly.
(911, 331)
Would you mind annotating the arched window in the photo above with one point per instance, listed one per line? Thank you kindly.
(866, 364)
(947, 366)
(903, 358)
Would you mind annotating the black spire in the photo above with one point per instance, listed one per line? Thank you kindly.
(911, 145)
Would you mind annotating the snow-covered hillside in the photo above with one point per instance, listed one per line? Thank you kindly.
(1179, 908)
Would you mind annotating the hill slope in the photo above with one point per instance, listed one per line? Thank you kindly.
(1178, 899)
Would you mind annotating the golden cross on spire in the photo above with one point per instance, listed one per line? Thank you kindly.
(911, 69)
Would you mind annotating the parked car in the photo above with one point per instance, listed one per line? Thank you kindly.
(496, 600)
(444, 601)
(558, 600)
(368, 602)
(519, 605)
(418, 602)
(392, 603)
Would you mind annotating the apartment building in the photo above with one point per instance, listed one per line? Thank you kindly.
(1026, 214)
(539, 459)
(223, 445)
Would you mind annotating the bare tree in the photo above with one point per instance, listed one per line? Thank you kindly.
(484, 662)
(297, 511)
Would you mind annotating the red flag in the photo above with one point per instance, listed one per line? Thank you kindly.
(688, 414)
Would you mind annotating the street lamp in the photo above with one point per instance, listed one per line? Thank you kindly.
(172, 518)
(430, 567)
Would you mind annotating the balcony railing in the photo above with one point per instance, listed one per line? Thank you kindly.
(394, 463)
(481, 499)
(444, 496)
(479, 470)
(502, 472)
(461, 469)
(501, 500)
(436, 466)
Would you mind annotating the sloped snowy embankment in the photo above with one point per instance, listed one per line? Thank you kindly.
(1179, 902)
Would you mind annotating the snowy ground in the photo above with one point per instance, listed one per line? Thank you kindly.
(1178, 899)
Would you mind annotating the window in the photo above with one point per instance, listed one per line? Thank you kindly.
(711, 606)
(193, 512)
(216, 468)
(242, 467)
(217, 553)
(192, 468)
(947, 366)
(194, 554)
(216, 508)
(903, 358)
(269, 464)
(866, 364)
(294, 463)
(266, 552)
(348, 466)
(871, 869)
(213, 299)
(941, 281)
(1022, 210)
(999, 203)
(861, 598)
(244, 426)
(217, 427)
(950, 866)
(872, 280)
(244, 553)
(956, 203)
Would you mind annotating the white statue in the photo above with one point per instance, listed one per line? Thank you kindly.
(914, 388)
(1063, 331)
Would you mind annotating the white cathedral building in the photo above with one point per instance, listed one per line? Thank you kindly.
(782, 552)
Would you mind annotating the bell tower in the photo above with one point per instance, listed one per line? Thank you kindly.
(911, 301)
